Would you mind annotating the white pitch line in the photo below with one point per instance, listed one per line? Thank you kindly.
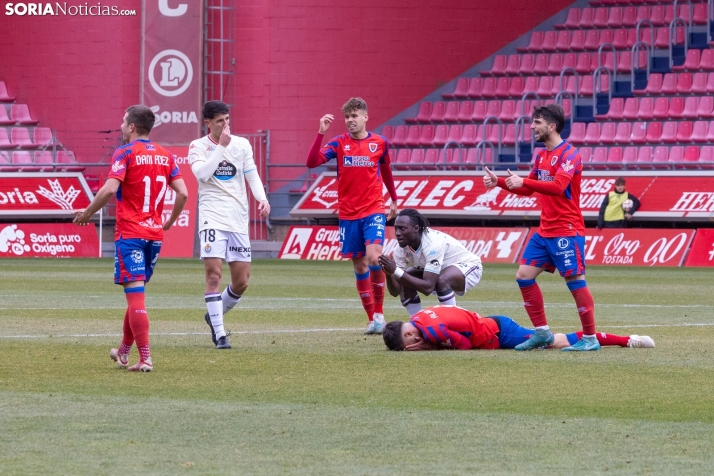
(301, 331)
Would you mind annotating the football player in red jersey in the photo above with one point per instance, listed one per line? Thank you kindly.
(453, 327)
(362, 167)
(139, 175)
(560, 241)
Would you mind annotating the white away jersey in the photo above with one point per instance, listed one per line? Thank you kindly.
(437, 251)
(222, 200)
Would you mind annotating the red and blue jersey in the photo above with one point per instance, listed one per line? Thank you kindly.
(145, 171)
(457, 328)
(359, 181)
(560, 215)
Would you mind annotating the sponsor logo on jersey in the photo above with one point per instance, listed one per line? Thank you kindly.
(347, 147)
(225, 171)
(357, 161)
(563, 243)
(568, 166)
(378, 218)
(435, 263)
(373, 147)
(117, 166)
(150, 147)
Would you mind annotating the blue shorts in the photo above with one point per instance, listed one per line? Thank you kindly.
(566, 253)
(512, 333)
(355, 235)
(134, 259)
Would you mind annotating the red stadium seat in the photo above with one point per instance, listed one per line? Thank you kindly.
(587, 17)
(630, 109)
(440, 137)
(599, 156)
(489, 88)
(691, 105)
(460, 90)
(706, 107)
(654, 85)
(676, 155)
(427, 135)
(42, 136)
(691, 156)
(623, 133)
(706, 61)
(4, 118)
(654, 132)
(676, 108)
(499, 66)
(23, 160)
(438, 109)
(639, 133)
(699, 83)
(531, 85)
(412, 139)
(479, 113)
(4, 95)
(44, 159)
(607, 132)
(466, 108)
(699, 131)
(606, 36)
(614, 19)
(5, 140)
(629, 156)
(577, 133)
(684, 131)
(545, 86)
(555, 64)
(660, 156)
(592, 133)
(422, 115)
(669, 84)
(661, 108)
(21, 114)
(710, 132)
(20, 137)
(585, 154)
(572, 22)
(563, 41)
(527, 64)
(388, 133)
(402, 160)
(570, 60)
(699, 14)
(400, 136)
(416, 158)
(475, 87)
(710, 83)
(452, 112)
(455, 133)
(601, 16)
(468, 136)
(592, 40)
(513, 64)
(614, 157)
(577, 40)
(517, 86)
(541, 64)
(620, 39)
(535, 43)
(508, 111)
(657, 15)
(5, 162)
(431, 158)
(494, 108)
(643, 13)
(644, 156)
(485, 156)
(684, 83)
(68, 161)
(691, 61)
(706, 155)
(471, 158)
(629, 17)
(503, 86)
(583, 64)
(550, 38)
(646, 109)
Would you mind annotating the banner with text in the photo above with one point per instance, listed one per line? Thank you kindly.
(493, 245)
(635, 247)
(171, 74)
(702, 251)
(48, 240)
(50, 194)
(667, 195)
(178, 241)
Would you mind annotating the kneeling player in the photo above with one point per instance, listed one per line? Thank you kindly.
(428, 261)
(453, 327)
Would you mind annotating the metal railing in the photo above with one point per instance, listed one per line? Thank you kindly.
(673, 38)
(633, 62)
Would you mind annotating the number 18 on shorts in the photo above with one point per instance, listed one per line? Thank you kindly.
(225, 245)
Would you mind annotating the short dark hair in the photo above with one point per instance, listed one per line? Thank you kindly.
(354, 104)
(213, 108)
(392, 335)
(551, 114)
(416, 218)
(620, 181)
(142, 117)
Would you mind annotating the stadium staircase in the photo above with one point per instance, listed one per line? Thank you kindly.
(635, 78)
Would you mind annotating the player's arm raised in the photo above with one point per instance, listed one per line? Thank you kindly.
(204, 169)
(314, 157)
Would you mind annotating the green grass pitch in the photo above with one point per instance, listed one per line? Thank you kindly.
(304, 392)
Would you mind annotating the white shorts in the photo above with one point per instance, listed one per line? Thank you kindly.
(472, 271)
(225, 245)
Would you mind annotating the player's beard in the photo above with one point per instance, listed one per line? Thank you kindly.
(543, 137)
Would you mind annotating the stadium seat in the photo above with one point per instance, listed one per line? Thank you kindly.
(614, 157)
(471, 159)
(20, 137)
(494, 108)
(705, 110)
(460, 90)
(592, 40)
(691, 105)
(690, 158)
(639, 133)
(466, 108)
(699, 83)
(624, 61)
(601, 17)
(42, 136)
(710, 132)
(646, 110)
(550, 38)
(438, 109)
(475, 87)
(441, 134)
(710, 83)
(582, 66)
(413, 134)
(629, 16)
(531, 85)
(676, 108)
(630, 109)
(423, 114)
(416, 158)
(676, 155)
(4, 95)
(517, 86)
(654, 132)
(684, 131)
(452, 112)
(44, 158)
(699, 131)
(455, 133)
(691, 61)
(400, 136)
(402, 161)
(4, 118)
(623, 133)
(485, 156)
(23, 160)
(5, 140)
(587, 17)
(431, 158)
(545, 86)
(388, 133)
(661, 108)
(571, 22)
(706, 61)
(563, 41)
(541, 64)
(577, 40)
(20, 113)
(654, 85)
(660, 156)
(527, 64)
(629, 156)
(585, 154)
(570, 60)
(614, 19)
(599, 157)
(513, 64)
(567, 107)
(68, 161)
(620, 39)
(488, 90)
(604, 58)
(644, 157)
(592, 133)
(5, 163)
(468, 136)
(498, 68)
(577, 133)
(684, 83)
(535, 43)
(479, 111)
(699, 13)
(706, 157)
(427, 135)
(508, 111)
(555, 64)
(503, 85)
(607, 133)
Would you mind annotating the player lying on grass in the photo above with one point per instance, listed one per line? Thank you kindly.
(453, 327)
(428, 261)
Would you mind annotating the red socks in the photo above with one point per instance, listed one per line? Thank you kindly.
(533, 301)
(138, 320)
(364, 288)
(586, 305)
(378, 278)
(608, 339)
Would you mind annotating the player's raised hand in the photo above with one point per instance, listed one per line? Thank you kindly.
(325, 122)
(387, 263)
(489, 180)
(225, 136)
(513, 180)
(264, 208)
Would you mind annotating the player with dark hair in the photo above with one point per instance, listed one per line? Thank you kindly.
(560, 241)
(222, 163)
(362, 168)
(428, 261)
(140, 172)
(453, 327)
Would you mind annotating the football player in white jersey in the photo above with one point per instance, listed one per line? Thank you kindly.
(428, 261)
(222, 163)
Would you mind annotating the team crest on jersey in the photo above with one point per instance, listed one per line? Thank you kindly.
(234, 151)
(207, 247)
(378, 218)
(373, 147)
(554, 160)
(225, 171)
(137, 256)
